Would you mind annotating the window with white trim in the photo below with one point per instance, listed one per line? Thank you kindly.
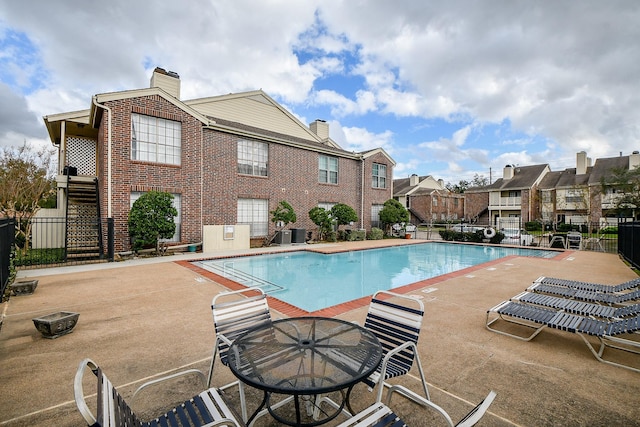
(379, 176)
(253, 157)
(255, 213)
(177, 203)
(328, 169)
(155, 140)
(375, 215)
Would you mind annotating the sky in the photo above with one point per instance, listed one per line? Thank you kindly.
(448, 88)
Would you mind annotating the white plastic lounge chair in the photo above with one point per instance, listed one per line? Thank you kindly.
(381, 415)
(395, 320)
(594, 243)
(578, 307)
(234, 313)
(610, 333)
(588, 286)
(207, 409)
(574, 240)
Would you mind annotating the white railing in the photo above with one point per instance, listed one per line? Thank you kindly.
(496, 200)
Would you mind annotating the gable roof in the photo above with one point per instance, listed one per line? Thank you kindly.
(524, 177)
(255, 109)
(96, 112)
(604, 167)
(403, 187)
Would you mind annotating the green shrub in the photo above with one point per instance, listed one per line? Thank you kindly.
(609, 230)
(151, 218)
(356, 235)
(532, 226)
(376, 234)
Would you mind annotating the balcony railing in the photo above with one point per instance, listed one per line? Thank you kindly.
(497, 201)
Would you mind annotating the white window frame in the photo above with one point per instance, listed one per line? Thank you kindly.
(156, 140)
(375, 215)
(253, 157)
(379, 175)
(327, 169)
(177, 203)
(254, 212)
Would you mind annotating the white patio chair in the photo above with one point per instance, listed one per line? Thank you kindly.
(234, 313)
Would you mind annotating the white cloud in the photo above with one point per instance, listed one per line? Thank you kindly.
(359, 139)
(564, 73)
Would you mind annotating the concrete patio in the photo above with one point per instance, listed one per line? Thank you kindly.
(142, 318)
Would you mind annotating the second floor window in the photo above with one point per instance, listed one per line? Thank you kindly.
(253, 157)
(155, 140)
(328, 169)
(379, 176)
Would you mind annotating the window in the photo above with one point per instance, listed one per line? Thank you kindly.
(326, 206)
(177, 203)
(456, 202)
(155, 140)
(574, 196)
(253, 157)
(379, 176)
(328, 169)
(375, 215)
(255, 213)
(435, 201)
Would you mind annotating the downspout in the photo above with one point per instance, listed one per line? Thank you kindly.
(201, 184)
(95, 102)
(362, 193)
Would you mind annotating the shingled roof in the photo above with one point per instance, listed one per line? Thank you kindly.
(523, 177)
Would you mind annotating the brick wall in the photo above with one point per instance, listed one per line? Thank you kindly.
(211, 198)
(129, 176)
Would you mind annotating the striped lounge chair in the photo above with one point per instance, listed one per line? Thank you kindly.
(612, 334)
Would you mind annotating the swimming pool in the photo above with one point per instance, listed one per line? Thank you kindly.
(313, 281)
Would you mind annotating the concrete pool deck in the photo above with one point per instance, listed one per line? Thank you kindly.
(145, 317)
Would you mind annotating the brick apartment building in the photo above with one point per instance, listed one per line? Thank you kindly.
(428, 200)
(226, 159)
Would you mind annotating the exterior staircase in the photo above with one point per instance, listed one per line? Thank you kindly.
(83, 234)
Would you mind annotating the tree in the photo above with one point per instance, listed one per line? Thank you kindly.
(283, 213)
(463, 185)
(626, 185)
(151, 218)
(393, 212)
(343, 214)
(26, 183)
(322, 219)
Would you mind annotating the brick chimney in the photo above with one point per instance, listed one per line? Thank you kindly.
(320, 128)
(169, 81)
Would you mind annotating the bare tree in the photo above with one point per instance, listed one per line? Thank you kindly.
(26, 181)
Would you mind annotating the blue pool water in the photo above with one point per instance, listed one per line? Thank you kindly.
(313, 281)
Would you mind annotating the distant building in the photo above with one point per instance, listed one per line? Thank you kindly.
(427, 199)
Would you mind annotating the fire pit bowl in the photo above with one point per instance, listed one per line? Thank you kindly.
(24, 287)
(57, 324)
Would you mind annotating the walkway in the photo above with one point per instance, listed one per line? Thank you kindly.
(144, 317)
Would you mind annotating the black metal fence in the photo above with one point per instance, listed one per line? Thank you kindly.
(7, 237)
(51, 244)
(629, 242)
(586, 236)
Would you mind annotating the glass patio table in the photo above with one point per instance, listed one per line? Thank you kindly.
(305, 358)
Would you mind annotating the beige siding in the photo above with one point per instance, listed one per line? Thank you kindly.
(255, 110)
